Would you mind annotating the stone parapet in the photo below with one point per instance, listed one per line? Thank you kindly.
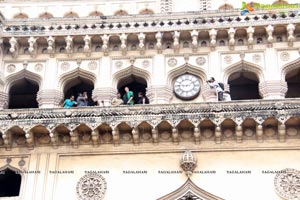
(274, 89)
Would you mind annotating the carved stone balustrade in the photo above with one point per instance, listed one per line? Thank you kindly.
(196, 123)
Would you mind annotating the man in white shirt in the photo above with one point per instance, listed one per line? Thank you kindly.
(214, 84)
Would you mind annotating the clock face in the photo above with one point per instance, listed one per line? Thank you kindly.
(187, 86)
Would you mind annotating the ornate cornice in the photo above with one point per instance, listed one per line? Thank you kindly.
(142, 23)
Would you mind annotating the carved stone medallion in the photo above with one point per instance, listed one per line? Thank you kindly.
(172, 62)
(10, 68)
(208, 133)
(256, 58)
(287, 184)
(65, 66)
(249, 132)
(38, 67)
(146, 136)
(284, 56)
(107, 137)
(91, 186)
(165, 135)
(228, 59)
(292, 131)
(146, 63)
(126, 136)
(118, 64)
(92, 65)
(200, 61)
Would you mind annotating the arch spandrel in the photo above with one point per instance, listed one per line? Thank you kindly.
(131, 70)
(245, 67)
(189, 188)
(288, 67)
(9, 80)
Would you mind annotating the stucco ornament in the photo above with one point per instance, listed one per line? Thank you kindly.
(285, 56)
(188, 163)
(228, 59)
(92, 65)
(200, 61)
(256, 58)
(10, 68)
(65, 66)
(287, 184)
(172, 62)
(119, 64)
(146, 63)
(91, 186)
(38, 67)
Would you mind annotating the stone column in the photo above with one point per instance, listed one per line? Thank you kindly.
(50, 98)
(123, 38)
(32, 46)
(95, 137)
(87, 45)
(159, 94)
(175, 136)
(273, 89)
(116, 137)
(104, 95)
(194, 35)
(197, 135)
(14, 47)
(231, 40)
(291, 38)
(239, 133)
(54, 139)
(69, 45)
(136, 136)
(51, 45)
(141, 38)
(270, 30)
(281, 132)
(176, 45)
(259, 133)
(155, 136)
(218, 135)
(213, 36)
(29, 139)
(74, 138)
(250, 32)
(105, 39)
(7, 139)
(209, 94)
(158, 37)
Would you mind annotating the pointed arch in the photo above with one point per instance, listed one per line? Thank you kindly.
(71, 14)
(21, 16)
(10, 181)
(45, 15)
(289, 67)
(146, 11)
(78, 72)
(245, 67)
(226, 7)
(131, 70)
(95, 14)
(189, 189)
(121, 13)
(9, 80)
(186, 68)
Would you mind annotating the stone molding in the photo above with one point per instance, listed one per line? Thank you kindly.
(49, 98)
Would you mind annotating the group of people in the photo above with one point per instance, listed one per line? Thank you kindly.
(82, 100)
(219, 87)
(128, 98)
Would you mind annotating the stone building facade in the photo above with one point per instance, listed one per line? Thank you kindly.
(183, 145)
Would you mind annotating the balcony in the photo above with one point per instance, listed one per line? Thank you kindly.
(234, 124)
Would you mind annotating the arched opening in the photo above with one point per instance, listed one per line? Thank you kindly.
(280, 2)
(95, 14)
(121, 13)
(22, 94)
(293, 82)
(10, 182)
(146, 12)
(21, 16)
(226, 7)
(45, 15)
(71, 15)
(79, 85)
(243, 85)
(135, 84)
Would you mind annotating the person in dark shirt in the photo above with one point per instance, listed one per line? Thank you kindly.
(142, 99)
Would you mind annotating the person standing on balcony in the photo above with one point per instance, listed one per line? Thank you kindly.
(70, 102)
(213, 84)
(142, 99)
(128, 97)
(80, 100)
(116, 101)
(86, 99)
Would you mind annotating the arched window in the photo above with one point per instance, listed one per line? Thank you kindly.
(259, 40)
(80, 49)
(95, 14)
(46, 15)
(226, 7)
(185, 44)
(168, 45)
(222, 43)
(98, 48)
(243, 85)
(115, 48)
(23, 93)
(278, 39)
(240, 42)
(293, 81)
(62, 50)
(71, 15)
(121, 13)
(21, 16)
(151, 46)
(135, 84)
(10, 182)
(79, 85)
(146, 12)
(133, 47)
(203, 44)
